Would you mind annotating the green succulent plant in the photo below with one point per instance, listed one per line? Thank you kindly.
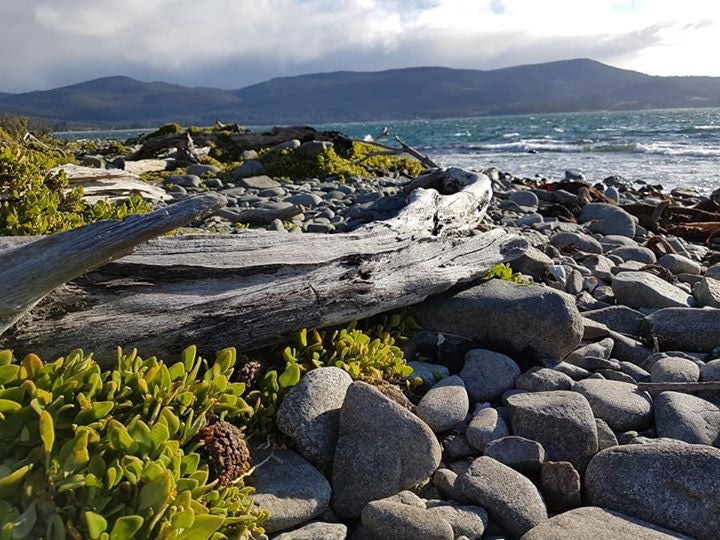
(364, 355)
(505, 272)
(115, 454)
(33, 201)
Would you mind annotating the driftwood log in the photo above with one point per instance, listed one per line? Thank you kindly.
(30, 270)
(254, 288)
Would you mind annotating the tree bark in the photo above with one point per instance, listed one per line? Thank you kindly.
(31, 269)
(253, 289)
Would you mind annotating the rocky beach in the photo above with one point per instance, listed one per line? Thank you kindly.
(571, 390)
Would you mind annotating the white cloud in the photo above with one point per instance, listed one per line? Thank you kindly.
(231, 43)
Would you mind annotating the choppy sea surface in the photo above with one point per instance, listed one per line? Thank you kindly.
(668, 147)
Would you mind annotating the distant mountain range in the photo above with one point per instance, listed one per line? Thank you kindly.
(423, 92)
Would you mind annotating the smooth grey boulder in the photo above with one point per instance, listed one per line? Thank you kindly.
(687, 418)
(445, 405)
(257, 182)
(316, 531)
(390, 519)
(444, 481)
(686, 329)
(310, 412)
(608, 219)
(309, 200)
(533, 320)
(618, 318)
(486, 426)
(465, 520)
(645, 290)
(575, 241)
(516, 452)
(200, 168)
(184, 180)
(707, 292)
(560, 485)
(606, 436)
(674, 369)
(524, 198)
(251, 167)
(711, 373)
(382, 449)
(620, 404)
(488, 374)
(671, 484)
(289, 487)
(562, 421)
(634, 253)
(576, 373)
(314, 148)
(629, 350)
(602, 349)
(456, 446)
(678, 264)
(511, 498)
(636, 372)
(540, 379)
(713, 271)
(599, 523)
(532, 263)
(428, 373)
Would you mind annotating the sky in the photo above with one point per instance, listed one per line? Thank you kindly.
(234, 43)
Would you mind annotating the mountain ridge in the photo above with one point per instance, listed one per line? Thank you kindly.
(394, 94)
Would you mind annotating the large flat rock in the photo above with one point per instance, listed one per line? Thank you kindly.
(671, 484)
(686, 329)
(604, 524)
(645, 290)
(562, 421)
(500, 315)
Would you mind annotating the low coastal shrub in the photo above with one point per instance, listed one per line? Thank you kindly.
(292, 163)
(34, 201)
(119, 454)
(362, 154)
(157, 450)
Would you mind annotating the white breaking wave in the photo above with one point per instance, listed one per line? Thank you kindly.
(669, 150)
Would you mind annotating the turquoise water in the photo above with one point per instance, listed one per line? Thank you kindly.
(669, 147)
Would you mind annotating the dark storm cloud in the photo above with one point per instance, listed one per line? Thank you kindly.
(233, 43)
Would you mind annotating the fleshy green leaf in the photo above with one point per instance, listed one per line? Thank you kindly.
(47, 431)
(126, 527)
(203, 527)
(96, 524)
(156, 492)
(291, 375)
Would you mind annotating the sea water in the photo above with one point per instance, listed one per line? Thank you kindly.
(674, 148)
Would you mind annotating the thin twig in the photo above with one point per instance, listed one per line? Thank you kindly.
(655, 387)
(422, 158)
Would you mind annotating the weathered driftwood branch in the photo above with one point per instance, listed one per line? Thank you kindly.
(253, 289)
(260, 216)
(426, 160)
(28, 272)
(657, 387)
